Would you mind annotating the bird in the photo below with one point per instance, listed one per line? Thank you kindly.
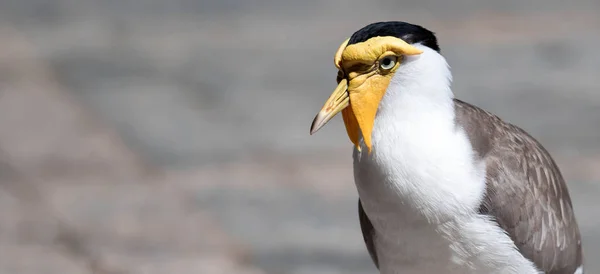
(443, 185)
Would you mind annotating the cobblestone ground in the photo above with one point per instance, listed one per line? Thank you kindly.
(172, 136)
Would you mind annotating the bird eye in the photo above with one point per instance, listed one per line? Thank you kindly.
(388, 62)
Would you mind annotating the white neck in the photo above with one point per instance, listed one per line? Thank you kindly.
(421, 186)
(414, 129)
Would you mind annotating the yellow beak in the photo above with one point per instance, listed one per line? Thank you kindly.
(339, 100)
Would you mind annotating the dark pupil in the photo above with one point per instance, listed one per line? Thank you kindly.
(387, 62)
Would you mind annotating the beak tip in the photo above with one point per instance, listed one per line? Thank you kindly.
(338, 100)
(313, 130)
(313, 127)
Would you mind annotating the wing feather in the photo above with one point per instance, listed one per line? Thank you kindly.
(368, 233)
(525, 191)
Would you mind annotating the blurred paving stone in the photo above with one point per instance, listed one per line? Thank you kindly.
(585, 202)
(327, 173)
(23, 259)
(195, 265)
(46, 132)
(145, 220)
(130, 227)
(290, 228)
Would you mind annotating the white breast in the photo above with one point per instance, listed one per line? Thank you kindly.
(421, 185)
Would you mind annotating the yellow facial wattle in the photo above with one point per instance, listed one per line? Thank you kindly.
(367, 69)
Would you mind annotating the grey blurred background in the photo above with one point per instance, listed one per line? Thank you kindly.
(172, 136)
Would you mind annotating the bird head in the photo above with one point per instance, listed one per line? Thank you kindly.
(366, 64)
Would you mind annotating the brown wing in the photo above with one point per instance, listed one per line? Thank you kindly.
(525, 192)
(368, 233)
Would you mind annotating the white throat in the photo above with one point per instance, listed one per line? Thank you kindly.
(421, 186)
(426, 161)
